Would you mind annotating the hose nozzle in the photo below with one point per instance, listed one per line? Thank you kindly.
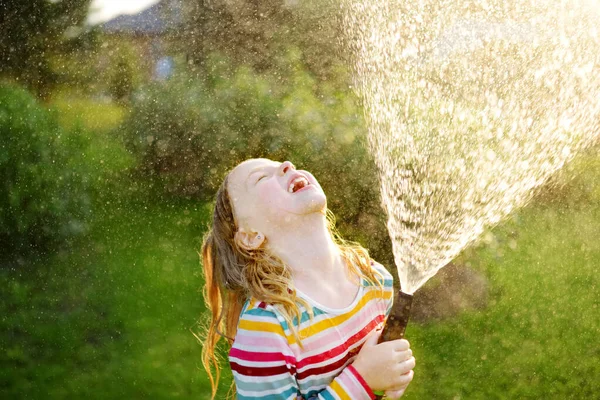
(398, 319)
(396, 322)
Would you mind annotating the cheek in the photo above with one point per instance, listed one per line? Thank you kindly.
(275, 202)
(271, 196)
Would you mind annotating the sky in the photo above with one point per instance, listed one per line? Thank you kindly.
(103, 10)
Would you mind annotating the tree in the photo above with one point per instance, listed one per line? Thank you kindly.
(259, 33)
(32, 31)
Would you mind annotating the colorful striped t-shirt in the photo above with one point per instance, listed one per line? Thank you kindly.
(268, 363)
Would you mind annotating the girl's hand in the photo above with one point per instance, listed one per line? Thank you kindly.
(396, 394)
(385, 366)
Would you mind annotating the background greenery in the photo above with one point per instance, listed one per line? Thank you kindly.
(102, 299)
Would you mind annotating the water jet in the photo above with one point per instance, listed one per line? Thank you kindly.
(469, 107)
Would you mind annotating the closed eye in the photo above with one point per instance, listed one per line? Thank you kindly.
(264, 176)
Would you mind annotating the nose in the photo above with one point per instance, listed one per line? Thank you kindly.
(285, 166)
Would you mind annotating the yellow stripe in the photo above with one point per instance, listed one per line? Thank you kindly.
(316, 327)
(337, 388)
(338, 320)
(261, 326)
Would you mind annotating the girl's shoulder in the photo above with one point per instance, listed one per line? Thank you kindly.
(262, 315)
(259, 330)
(386, 278)
(253, 306)
(258, 315)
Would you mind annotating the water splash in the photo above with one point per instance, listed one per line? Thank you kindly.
(470, 105)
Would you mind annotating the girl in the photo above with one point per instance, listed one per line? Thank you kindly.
(299, 306)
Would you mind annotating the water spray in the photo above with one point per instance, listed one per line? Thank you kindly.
(468, 113)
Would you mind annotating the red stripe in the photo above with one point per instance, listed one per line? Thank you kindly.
(326, 369)
(362, 381)
(260, 357)
(336, 351)
(261, 371)
(288, 363)
(341, 362)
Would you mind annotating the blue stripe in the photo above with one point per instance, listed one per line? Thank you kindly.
(314, 380)
(304, 317)
(277, 396)
(258, 385)
(325, 394)
(261, 312)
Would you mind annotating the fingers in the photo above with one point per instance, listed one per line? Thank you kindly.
(401, 345)
(400, 385)
(402, 381)
(373, 337)
(405, 366)
(403, 355)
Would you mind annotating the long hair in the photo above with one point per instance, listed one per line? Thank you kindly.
(234, 274)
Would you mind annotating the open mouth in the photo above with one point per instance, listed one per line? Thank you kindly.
(298, 184)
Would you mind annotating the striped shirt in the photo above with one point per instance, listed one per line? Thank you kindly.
(268, 364)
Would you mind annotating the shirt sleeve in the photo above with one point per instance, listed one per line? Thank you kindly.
(388, 285)
(264, 366)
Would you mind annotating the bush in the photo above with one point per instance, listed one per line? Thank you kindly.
(187, 133)
(43, 201)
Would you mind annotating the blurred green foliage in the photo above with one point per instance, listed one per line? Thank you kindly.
(44, 200)
(113, 313)
(258, 33)
(124, 70)
(77, 110)
(35, 31)
(188, 132)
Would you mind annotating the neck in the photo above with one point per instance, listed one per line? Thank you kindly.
(307, 247)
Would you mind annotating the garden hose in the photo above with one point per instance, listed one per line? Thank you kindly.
(396, 322)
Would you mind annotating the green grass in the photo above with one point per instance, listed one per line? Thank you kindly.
(79, 110)
(538, 336)
(111, 318)
(112, 315)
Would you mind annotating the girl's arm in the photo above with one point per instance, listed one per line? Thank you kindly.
(264, 366)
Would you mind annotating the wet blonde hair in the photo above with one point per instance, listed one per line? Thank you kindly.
(234, 274)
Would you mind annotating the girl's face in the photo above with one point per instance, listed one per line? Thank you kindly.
(268, 196)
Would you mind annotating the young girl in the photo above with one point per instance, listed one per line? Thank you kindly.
(299, 306)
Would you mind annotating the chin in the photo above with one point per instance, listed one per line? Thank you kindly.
(309, 205)
(317, 205)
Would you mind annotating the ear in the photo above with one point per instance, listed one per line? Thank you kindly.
(251, 240)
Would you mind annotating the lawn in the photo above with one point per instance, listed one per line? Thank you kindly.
(538, 336)
(113, 315)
